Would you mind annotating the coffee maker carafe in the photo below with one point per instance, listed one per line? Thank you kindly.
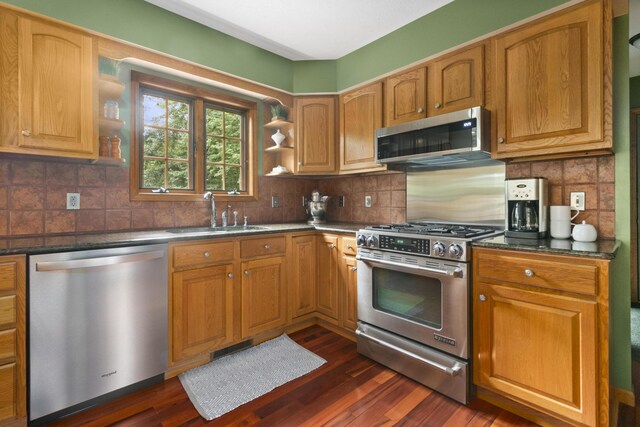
(527, 208)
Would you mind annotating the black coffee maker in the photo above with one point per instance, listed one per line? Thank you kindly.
(527, 208)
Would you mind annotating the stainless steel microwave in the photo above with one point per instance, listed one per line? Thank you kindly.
(446, 140)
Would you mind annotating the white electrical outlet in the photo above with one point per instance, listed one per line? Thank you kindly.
(367, 201)
(578, 200)
(73, 200)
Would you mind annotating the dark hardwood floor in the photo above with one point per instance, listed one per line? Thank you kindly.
(349, 390)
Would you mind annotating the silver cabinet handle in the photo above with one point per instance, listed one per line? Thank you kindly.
(456, 272)
(451, 371)
(26, 132)
(529, 273)
(247, 272)
(331, 246)
(230, 275)
(354, 268)
(420, 110)
(482, 298)
(349, 247)
(97, 262)
(501, 140)
(206, 254)
(267, 247)
(438, 105)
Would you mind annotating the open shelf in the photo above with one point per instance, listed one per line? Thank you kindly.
(278, 148)
(109, 87)
(278, 124)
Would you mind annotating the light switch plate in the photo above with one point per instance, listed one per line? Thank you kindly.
(341, 201)
(367, 201)
(578, 200)
(73, 200)
(275, 201)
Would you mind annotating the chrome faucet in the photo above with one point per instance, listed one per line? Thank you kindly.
(225, 216)
(209, 196)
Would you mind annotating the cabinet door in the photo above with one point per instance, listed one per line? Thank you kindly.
(264, 303)
(360, 116)
(8, 383)
(348, 281)
(302, 279)
(537, 348)
(327, 296)
(405, 97)
(315, 134)
(456, 82)
(202, 310)
(549, 80)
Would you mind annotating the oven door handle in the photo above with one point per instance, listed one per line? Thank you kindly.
(451, 371)
(456, 272)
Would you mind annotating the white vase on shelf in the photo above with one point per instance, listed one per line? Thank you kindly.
(278, 137)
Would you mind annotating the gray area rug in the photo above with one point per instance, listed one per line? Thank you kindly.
(635, 333)
(226, 383)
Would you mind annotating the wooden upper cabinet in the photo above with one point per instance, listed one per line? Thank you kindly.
(315, 134)
(360, 116)
(552, 86)
(57, 91)
(405, 97)
(456, 81)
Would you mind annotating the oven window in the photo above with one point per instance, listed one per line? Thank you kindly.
(413, 297)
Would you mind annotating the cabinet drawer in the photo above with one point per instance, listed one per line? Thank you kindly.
(264, 246)
(8, 377)
(202, 254)
(7, 310)
(348, 246)
(7, 344)
(536, 270)
(8, 276)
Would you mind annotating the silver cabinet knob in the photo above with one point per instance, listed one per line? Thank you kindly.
(529, 273)
(247, 272)
(267, 247)
(438, 105)
(482, 297)
(420, 110)
(230, 275)
(354, 268)
(26, 132)
(206, 254)
(501, 140)
(299, 163)
(331, 246)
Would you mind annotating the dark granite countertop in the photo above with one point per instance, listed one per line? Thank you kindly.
(605, 249)
(60, 243)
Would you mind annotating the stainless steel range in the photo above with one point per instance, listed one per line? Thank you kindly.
(414, 301)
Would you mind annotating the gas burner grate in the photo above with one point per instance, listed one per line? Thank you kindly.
(436, 229)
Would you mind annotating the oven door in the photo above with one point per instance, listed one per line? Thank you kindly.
(426, 303)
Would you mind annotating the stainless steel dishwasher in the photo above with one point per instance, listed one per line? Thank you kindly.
(97, 323)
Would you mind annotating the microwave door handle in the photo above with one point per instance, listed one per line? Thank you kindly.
(456, 272)
(451, 371)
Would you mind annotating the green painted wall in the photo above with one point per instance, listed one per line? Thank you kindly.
(449, 26)
(634, 92)
(620, 364)
(144, 24)
(314, 76)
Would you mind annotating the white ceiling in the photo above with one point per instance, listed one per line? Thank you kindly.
(304, 29)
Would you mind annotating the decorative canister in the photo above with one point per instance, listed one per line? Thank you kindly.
(278, 137)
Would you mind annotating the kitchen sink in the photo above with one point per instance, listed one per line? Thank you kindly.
(216, 230)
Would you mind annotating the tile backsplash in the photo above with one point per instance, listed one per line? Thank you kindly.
(33, 197)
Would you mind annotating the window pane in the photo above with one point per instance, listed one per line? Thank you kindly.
(154, 110)
(214, 177)
(178, 115)
(178, 145)
(178, 175)
(233, 178)
(232, 125)
(214, 150)
(153, 174)
(214, 122)
(232, 152)
(153, 142)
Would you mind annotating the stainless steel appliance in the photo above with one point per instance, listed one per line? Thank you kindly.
(527, 208)
(413, 301)
(97, 323)
(446, 140)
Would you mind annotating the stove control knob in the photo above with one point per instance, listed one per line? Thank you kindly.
(438, 249)
(372, 242)
(455, 250)
(361, 240)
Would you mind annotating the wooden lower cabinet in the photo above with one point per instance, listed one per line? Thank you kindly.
(202, 310)
(13, 368)
(536, 345)
(264, 295)
(349, 298)
(302, 276)
(328, 287)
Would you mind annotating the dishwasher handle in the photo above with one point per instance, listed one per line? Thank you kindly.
(98, 262)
